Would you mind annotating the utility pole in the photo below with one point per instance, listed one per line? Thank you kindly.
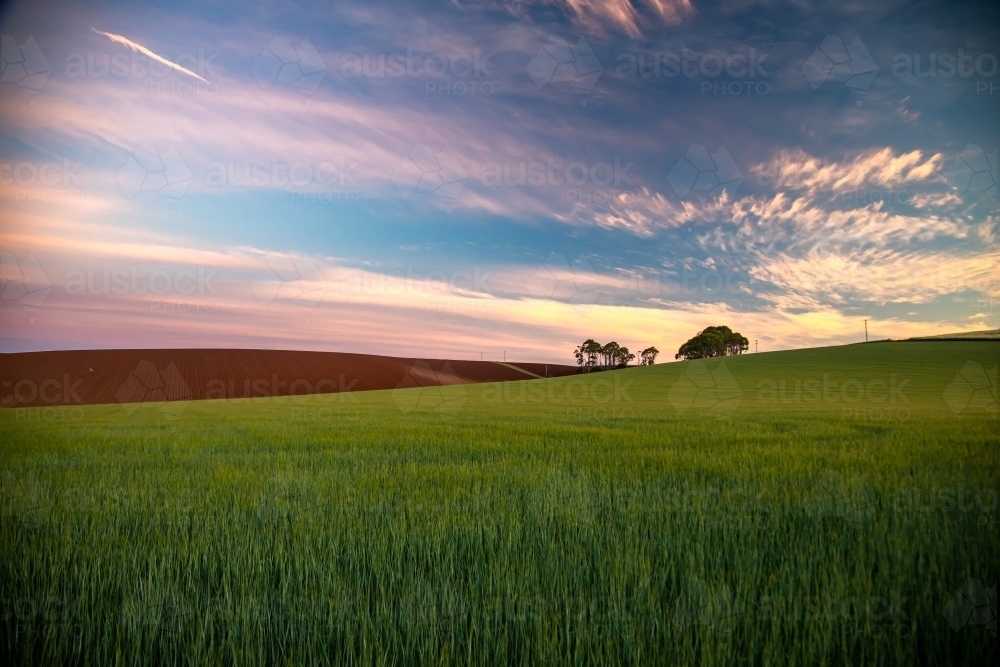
(755, 346)
(505, 356)
(866, 331)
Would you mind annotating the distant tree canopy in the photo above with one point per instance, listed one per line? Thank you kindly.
(591, 354)
(713, 342)
(648, 356)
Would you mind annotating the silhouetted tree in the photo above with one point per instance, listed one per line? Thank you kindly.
(609, 354)
(718, 341)
(587, 353)
(648, 356)
(590, 353)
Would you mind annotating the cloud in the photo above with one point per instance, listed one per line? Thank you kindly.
(594, 15)
(146, 52)
(877, 276)
(446, 315)
(796, 170)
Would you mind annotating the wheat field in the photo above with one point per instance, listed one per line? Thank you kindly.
(814, 507)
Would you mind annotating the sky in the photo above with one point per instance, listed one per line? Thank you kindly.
(496, 180)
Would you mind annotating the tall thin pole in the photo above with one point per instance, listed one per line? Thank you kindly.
(755, 346)
(866, 331)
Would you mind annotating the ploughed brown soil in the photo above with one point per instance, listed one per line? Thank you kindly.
(83, 377)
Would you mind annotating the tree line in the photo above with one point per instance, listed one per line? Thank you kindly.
(592, 355)
(718, 341)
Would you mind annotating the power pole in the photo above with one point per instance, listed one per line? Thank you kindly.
(505, 356)
(866, 331)
(755, 346)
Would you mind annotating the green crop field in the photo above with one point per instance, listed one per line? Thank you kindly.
(814, 507)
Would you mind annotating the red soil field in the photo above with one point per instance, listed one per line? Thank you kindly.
(84, 377)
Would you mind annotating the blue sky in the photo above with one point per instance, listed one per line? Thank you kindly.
(435, 179)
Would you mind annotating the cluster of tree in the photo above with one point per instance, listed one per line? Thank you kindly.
(714, 342)
(592, 354)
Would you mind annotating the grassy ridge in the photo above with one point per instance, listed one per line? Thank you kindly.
(684, 514)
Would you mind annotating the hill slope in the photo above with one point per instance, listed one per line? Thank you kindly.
(87, 377)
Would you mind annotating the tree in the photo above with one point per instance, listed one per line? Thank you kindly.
(586, 354)
(609, 354)
(593, 351)
(718, 341)
(648, 356)
(590, 354)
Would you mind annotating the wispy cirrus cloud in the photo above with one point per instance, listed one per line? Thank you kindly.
(626, 15)
(796, 170)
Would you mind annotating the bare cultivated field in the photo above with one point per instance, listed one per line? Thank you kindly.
(88, 377)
